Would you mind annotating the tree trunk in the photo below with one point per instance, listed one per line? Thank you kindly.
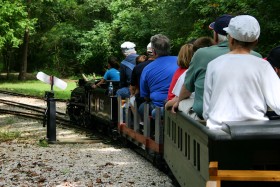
(23, 68)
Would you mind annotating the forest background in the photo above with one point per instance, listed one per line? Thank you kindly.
(70, 37)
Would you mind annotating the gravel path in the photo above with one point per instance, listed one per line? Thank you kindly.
(26, 162)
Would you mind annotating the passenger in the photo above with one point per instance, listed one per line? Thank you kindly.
(126, 67)
(185, 59)
(194, 82)
(111, 74)
(274, 59)
(156, 77)
(238, 85)
(141, 58)
(136, 74)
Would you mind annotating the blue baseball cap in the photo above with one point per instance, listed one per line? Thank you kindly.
(221, 23)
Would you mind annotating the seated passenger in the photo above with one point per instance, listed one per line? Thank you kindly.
(239, 86)
(194, 81)
(111, 74)
(136, 74)
(184, 58)
(141, 58)
(156, 77)
(126, 67)
(274, 59)
(199, 43)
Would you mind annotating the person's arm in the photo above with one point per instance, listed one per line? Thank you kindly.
(132, 90)
(102, 81)
(184, 93)
(170, 103)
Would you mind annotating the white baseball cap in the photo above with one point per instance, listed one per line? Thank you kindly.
(149, 48)
(128, 45)
(244, 28)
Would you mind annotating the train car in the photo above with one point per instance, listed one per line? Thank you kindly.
(186, 146)
(189, 147)
(93, 108)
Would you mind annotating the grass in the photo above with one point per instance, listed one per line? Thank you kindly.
(7, 136)
(36, 88)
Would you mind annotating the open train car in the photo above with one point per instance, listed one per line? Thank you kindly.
(189, 147)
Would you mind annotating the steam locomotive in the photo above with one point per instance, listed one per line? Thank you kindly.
(186, 146)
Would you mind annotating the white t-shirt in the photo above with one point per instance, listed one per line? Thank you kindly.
(239, 87)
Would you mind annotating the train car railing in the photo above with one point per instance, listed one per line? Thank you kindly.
(151, 140)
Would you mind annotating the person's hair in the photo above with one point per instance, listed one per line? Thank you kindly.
(185, 55)
(246, 45)
(222, 38)
(113, 61)
(160, 44)
(138, 59)
(202, 42)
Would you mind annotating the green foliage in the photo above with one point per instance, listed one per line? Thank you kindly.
(13, 22)
(78, 36)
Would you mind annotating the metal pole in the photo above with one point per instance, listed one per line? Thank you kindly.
(51, 117)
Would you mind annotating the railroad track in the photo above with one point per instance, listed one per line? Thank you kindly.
(32, 111)
(39, 113)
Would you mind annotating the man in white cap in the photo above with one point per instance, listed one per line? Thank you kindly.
(126, 67)
(238, 85)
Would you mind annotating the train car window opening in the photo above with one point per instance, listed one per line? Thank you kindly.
(186, 144)
(180, 138)
(189, 147)
(198, 156)
(194, 152)
(172, 129)
(174, 125)
(168, 126)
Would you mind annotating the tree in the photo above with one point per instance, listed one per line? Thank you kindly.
(13, 23)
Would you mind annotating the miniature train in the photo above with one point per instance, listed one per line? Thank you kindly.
(185, 145)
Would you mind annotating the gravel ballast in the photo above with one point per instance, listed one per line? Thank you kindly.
(25, 161)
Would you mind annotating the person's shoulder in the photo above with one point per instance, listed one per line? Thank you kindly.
(256, 54)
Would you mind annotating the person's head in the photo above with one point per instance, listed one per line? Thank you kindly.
(141, 58)
(218, 26)
(185, 55)
(202, 42)
(160, 45)
(128, 48)
(113, 62)
(243, 31)
(149, 49)
(274, 59)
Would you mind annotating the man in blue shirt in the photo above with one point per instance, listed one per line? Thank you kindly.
(156, 77)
